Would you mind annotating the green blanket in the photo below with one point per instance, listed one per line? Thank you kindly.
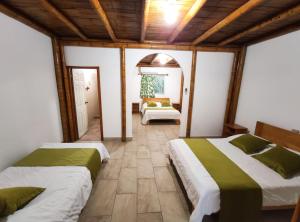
(241, 196)
(87, 157)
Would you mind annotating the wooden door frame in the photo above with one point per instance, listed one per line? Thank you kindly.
(74, 119)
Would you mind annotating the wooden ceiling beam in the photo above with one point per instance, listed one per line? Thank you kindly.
(280, 17)
(16, 14)
(145, 21)
(198, 4)
(96, 4)
(58, 14)
(277, 33)
(152, 62)
(227, 20)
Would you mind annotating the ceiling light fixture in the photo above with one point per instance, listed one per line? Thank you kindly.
(163, 59)
(171, 11)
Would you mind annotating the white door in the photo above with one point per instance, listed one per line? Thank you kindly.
(80, 102)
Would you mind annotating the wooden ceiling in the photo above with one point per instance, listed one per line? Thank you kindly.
(199, 22)
(152, 61)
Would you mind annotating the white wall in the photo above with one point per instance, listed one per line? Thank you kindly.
(29, 108)
(172, 82)
(90, 79)
(108, 59)
(270, 89)
(133, 56)
(213, 72)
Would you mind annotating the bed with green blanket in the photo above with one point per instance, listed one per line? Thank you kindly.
(47, 157)
(222, 180)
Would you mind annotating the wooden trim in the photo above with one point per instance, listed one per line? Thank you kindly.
(103, 44)
(58, 14)
(228, 118)
(60, 90)
(234, 87)
(279, 17)
(277, 33)
(123, 92)
(68, 95)
(100, 104)
(278, 135)
(146, 6)
(70, 68)
(296, 215)
(21, 17)
(158, 65)
(96, 4)
(198, 4)
(181, 90)
(227, 20)
(191, 98)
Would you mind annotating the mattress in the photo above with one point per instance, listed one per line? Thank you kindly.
(67, 188)
(203, 191)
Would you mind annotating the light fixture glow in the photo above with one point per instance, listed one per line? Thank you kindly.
(170, 11)
(163, 59)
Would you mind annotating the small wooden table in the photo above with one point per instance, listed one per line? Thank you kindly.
(233, 129)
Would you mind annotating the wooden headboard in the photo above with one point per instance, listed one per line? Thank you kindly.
(156, 100)
(278, 135)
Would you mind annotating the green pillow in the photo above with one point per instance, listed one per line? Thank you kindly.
(164, 104)
(281, 160)
(12, 199)
(250, 144)
(151, 104)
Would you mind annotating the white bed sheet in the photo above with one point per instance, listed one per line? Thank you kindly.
(203, 191)
(99, 146)
(67, 188)
(67, 191)
(159, 114)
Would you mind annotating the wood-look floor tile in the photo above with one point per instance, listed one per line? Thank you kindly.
(164, 179)
(158, 159)
(95, 219)
(129, 159)
(117, 152)
(101, 201)
(143, 152)
(171, 207)
(111, 169)
(125, 208)
(127, 181)
(147, 196)
(149, 217)
(144, 168)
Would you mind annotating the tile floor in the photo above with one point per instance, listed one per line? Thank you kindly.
(93, 133)
(138, 184)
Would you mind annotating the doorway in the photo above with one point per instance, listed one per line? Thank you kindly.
(86, 102)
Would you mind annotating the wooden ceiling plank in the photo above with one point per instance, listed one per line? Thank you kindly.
(15, 14)
(198, 4)
(96, 4)
(280, 17)
(154, 58)
(227, 20)
(145, 21)
(58, 14)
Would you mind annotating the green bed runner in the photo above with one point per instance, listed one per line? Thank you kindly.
(87, 157)
(241, 196)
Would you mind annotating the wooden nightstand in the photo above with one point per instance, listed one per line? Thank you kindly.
(135, 107)
(233, 129)
(177, 106)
